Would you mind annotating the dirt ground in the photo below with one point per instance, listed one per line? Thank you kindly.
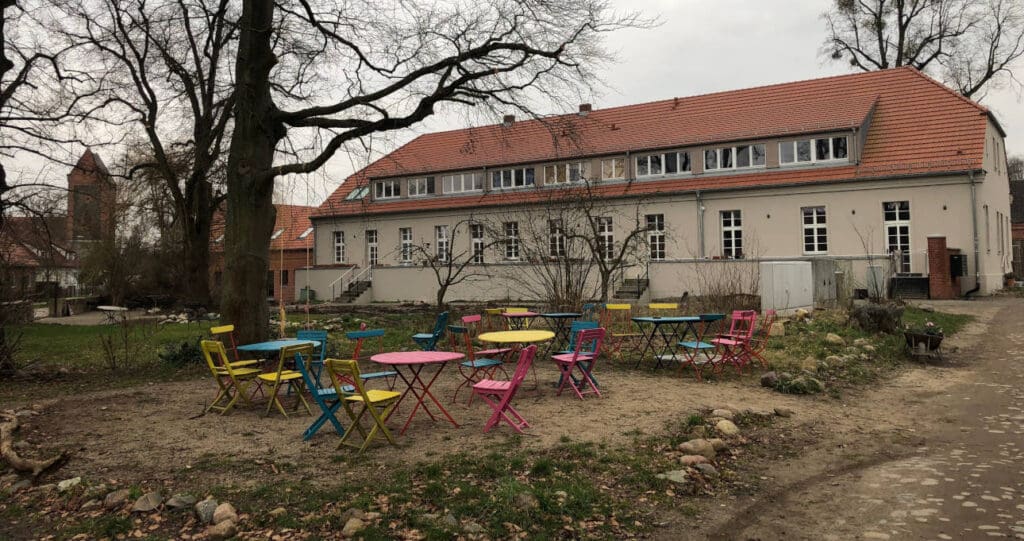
(156, 432)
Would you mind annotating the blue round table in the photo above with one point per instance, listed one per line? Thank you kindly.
(274, 346)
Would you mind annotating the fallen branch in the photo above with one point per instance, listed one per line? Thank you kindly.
(8, 424)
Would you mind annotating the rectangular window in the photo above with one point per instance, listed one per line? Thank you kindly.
(613, 168)
(732, 234)
(556, 238)
(824, 149)
(512, 178)
(441, 238)
(565, 172)
(896, 216)
(738, 157)
(476, 235)
(387, 189)
(405, 235)
(815, 230)
(339, 246)
(662, 164)
(988, 236)
(605, 238)
(512, 241)
(421, 186)
(270, 284)
(656, 236)
(463, 182)
(284, 277)
(372, 251)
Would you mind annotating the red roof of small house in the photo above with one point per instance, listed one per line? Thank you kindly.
(292, 221)
(30, 241)
(1017, 231)
(917, 126)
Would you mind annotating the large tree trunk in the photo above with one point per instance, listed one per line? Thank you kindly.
(250, 208)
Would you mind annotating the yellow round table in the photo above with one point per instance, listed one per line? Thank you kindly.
(516, 337)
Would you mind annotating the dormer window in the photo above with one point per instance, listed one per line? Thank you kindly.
(421, 186)
(738, 157)
(662, 164)
(565, 172)
(463, 182)
(512, 178)
(387, 189)
(806, 151)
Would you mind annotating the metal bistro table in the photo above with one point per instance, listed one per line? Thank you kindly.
(409, 364)
(672, 330)
(274, 346)
(519, 320)
(517, 339)
(560, 323)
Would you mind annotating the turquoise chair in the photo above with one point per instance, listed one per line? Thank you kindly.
(362, 334)
(428, 340)
(326, 398)
(319, 351)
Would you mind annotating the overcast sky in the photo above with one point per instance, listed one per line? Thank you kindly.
(701, 46)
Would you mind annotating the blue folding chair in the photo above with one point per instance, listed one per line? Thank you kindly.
(428, 341)
(319, 351)
(362, 334)
(326, 398)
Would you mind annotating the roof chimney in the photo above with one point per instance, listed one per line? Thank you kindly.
(585, 108)
(508, 120)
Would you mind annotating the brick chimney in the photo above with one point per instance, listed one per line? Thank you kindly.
(585, 108)
(508, 120)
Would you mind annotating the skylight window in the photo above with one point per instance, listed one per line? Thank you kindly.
(357, 193)
(307, 232)
(276, 234)
(219, 239)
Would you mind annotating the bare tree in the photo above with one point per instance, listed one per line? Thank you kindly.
(395, 63)
(171, 65)
(1015, 168)
(969, 44)
(452, 266)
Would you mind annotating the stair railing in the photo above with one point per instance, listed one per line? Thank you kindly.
(333, 285)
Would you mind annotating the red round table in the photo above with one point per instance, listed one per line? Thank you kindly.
(409, 364)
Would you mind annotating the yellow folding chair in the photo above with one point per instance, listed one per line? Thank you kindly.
(663, 308)
(227, 332)
(232, 382)
(291, 378)
(378, 403)
(617, 319)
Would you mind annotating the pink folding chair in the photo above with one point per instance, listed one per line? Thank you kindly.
(583, 358)
(498, 394)
(735, 346)
(759, 341)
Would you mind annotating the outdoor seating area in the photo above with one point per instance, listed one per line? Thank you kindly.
(493, 352)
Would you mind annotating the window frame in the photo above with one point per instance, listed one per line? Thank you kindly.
(556, 239)
(405, 245)
(566, 169)
(476, 242)
(733, 152)
(604, 227)
(664, 161)
(656, 237)
(448, 182)
(814, 151)
(428, 186)
(817, 229)
(372, 247)
(284, 278)
(339, 246)
(898, 221)
(735, 233)
(621, 161)
(529, 175)
(387, 189)
(512, 239)
(442, 237)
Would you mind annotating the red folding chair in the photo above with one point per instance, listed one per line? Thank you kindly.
(498, 394)
(759, 341)
(584, 357)
(735, 345)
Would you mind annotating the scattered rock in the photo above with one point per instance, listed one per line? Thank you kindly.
(21, 485)
(860, 342)
(352, 527)
(561, 494)
(204, 510)
(68, 484)
(769, 379)
(810, 364)
(926, 308)
(727, 428)
(96, 491)
(723, 413)
(698, 446)
(692, 460)
(90, 505)
(834, 339)
(676, 476)
(430, 516)
(451, 521)
(278, 511)
(783, 412)
(148, 502)
(225, 511)
(719, 444)
(868, 348)
(801, 314)
(372, 515)
(805, 385)
(524, 501)
(181, 501)
(778, 329)
(834, 360)
(222, 530)
(116, 498)
(352, 512)
(707, 470)
(472, 527)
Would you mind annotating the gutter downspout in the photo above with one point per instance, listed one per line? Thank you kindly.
(977, 242)
(700, 223)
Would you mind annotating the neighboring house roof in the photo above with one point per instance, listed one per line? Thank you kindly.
(917, 126)
(292, 221)
(1017, 231)
(1017, 201)
(28, 241)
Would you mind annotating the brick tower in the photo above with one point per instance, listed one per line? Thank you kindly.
(91, 199)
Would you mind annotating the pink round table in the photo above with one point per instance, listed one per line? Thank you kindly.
(409, 364)
(519, 320)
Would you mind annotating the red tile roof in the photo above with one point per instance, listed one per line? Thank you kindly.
(917, 126)
(29, 241)
(293, 219)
